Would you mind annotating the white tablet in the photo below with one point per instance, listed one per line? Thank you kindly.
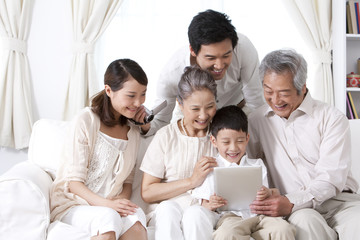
(238, 185)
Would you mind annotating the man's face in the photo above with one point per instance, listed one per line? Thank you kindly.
(280, 93)
(215, 57)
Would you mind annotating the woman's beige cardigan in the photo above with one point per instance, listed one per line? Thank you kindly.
(75, 161)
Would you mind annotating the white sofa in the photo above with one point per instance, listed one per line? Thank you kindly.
(24, 189)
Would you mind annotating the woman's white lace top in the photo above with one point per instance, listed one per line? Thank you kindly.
(106, 162)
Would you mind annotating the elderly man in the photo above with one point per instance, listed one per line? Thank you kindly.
(305, 144)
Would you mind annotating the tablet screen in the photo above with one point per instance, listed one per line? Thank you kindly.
(238, 185)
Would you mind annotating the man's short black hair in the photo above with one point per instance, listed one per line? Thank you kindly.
(229, 117)
(210, 27)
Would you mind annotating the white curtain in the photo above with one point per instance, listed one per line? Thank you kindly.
(89, 19)
(313, 19)
(16, 117)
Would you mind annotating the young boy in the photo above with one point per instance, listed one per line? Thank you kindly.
(229, 134)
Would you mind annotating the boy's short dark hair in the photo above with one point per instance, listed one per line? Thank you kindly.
(229, 117)
(210, 27)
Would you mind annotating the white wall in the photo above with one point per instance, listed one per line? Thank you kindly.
(49, 53)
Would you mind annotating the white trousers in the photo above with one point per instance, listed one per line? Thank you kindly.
(60, 231)
(336, 217)
(172, 222)
(98, 220)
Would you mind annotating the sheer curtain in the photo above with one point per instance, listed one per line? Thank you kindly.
(90, 19)
(313, 20)
(16, 116)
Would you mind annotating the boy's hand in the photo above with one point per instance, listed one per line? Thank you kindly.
(263, 193)
(214, 202)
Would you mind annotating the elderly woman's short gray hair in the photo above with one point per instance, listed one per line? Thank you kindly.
(195, 79)
(285, 60)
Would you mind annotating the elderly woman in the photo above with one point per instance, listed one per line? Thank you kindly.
(179, 158)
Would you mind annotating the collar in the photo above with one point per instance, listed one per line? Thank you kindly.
(222, 162)
(306, 107)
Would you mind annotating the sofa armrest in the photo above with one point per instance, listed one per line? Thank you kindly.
(24, 204)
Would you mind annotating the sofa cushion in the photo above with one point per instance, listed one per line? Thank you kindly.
(355, 149)
(24, 204)
(136, 186)
(46, 144)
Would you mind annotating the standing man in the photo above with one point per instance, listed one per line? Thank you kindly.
(230, 58)
(305, 144)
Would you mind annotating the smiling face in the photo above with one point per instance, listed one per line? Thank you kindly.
(281, 94)
(215, 57)
(198, 109)
(127, 100)
(231, 144)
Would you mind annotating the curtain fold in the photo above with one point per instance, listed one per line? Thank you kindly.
(16, 116)
(90, 18)
(313, 19)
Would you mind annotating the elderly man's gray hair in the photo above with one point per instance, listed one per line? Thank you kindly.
(285, 60)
